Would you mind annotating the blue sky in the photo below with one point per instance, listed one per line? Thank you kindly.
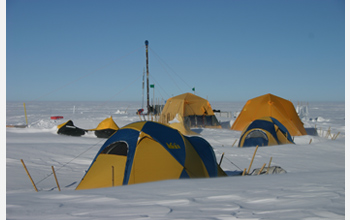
(229, 50)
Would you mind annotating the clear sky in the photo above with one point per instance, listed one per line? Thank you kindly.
(229, 50)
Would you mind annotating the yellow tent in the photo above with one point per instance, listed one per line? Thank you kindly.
(195, 111)
(178, 124)
(106, 128)
(273, 106)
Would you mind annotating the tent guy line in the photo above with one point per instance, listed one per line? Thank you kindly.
(161, 61)
(50, 174)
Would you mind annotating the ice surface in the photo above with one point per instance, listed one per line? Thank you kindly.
(312, 188)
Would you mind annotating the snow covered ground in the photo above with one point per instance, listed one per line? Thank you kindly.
(312, 188)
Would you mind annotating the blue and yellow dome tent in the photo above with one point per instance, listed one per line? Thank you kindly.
(149, 151)
(265, 131)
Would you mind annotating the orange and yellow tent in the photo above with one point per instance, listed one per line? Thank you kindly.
(195, 111)
(273, 106)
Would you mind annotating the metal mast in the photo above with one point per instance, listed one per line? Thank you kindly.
(148, 106)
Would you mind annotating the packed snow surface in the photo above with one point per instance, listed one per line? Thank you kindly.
(312, 188)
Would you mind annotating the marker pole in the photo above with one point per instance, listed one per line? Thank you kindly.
(29, 175)
(25, 113)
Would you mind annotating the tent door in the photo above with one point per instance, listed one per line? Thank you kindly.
(152, 162)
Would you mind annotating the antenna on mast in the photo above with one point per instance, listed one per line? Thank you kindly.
(148, 106)
(143, 86)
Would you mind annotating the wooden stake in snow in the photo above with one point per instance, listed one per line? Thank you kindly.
(251, 162)
(222, 156)
(335, 136)
(328, 132)
(262, 168)
(268, 167)
(112, 176)
(54, 174)
(234, 143)
(29, 175)
(244, 171)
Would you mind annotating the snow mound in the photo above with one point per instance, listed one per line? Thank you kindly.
(175, 120)
(45, 124)
(319, 119)
(119, 112)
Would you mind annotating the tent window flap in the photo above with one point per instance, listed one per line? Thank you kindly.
(117, 148)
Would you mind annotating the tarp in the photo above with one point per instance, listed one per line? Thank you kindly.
(269, 170)
(68, 128)
(149, 151)
(195, 111)
(274, 106)
(104, 129)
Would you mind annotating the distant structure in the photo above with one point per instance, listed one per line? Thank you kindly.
(303, 110)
